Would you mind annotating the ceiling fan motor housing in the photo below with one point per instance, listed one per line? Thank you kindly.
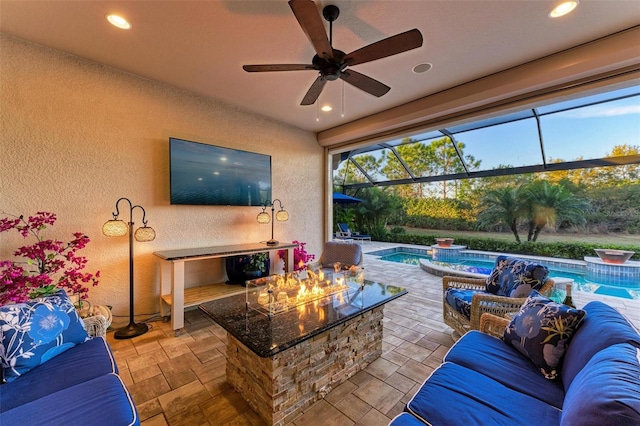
(330, 69)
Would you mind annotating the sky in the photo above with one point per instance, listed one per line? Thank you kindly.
(587, 132)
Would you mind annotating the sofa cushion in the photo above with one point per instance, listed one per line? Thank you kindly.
(542, 331)
(501, 362)
(405, 419)
(100, 401)
(36, 331)
(460, 299)
(513, 277)
(607, 390)
(602, 327)
(456, 395)
(84, 362)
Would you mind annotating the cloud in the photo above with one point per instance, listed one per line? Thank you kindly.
(603, 111)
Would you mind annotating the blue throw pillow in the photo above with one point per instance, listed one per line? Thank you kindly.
(542, 330)
(36, 331)
(513, 277)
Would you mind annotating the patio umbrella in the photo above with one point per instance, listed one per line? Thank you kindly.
(339, 198)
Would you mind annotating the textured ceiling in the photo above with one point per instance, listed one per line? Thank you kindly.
(200, 46)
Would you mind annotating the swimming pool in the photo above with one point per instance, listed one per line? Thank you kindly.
(482, 263)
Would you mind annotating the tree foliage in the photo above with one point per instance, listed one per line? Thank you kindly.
(374, 212)
(605, 199)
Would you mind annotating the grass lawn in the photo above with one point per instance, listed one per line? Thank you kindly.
(548, 236)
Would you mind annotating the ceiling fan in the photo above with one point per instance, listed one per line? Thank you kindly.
(333, 64)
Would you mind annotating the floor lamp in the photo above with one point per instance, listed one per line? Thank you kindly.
(118, 228)
(281, 216)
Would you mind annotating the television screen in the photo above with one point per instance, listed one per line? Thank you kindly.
(204, 174)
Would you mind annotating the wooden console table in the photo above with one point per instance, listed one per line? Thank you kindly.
(174, 297)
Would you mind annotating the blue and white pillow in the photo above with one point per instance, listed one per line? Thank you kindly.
(542, 330)
(33, 332)
(513, 277)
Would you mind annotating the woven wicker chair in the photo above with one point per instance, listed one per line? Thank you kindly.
(481, 303)
(493, 325)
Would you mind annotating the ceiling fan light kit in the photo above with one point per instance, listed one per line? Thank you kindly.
(333, 64)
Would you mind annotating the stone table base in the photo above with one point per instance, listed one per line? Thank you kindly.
(279, 387)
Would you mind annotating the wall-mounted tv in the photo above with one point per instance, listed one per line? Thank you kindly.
(203, 174)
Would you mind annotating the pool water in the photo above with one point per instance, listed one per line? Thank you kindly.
(485, 266)
(406, 258)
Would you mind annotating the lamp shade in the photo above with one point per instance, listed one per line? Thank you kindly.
(145, 234)
(282, 216)
(115, 228)
(263, 217)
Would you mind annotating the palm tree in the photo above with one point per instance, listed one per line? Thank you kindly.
(548, 204)
(501, 206)
(372, 214)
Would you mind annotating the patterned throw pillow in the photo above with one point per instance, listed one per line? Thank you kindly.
(36, 331)
(542, 330)
(513, 277)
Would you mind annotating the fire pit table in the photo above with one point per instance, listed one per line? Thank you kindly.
(285, 353)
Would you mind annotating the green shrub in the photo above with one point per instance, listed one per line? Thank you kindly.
(576, 251)
(397, 230)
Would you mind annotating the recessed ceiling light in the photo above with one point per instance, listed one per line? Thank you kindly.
(420, 68)
(563, 8)
(118, 21)
(326, 108)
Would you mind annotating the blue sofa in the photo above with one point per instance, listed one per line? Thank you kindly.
(486, 380)
(68, 378)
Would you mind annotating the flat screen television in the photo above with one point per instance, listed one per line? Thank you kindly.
(203, 174)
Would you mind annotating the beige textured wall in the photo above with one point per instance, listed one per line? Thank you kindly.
(75, 136)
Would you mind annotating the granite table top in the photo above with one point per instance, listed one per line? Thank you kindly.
(267, 336)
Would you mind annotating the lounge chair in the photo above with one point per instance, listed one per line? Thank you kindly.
(346, 254)
(344, 233)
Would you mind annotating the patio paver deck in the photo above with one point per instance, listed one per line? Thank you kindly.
(180, 380)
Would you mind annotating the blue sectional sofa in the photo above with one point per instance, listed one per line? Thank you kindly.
(485, 380)
(80, 386)
(68, 378)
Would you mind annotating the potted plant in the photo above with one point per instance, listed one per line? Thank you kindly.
(256, 265)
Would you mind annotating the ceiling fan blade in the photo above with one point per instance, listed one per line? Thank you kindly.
(309, 19)
(277, 67)
(314, 91)
(393, 45)
(365, 83)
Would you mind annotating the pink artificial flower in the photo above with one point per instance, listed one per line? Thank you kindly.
(51, 264)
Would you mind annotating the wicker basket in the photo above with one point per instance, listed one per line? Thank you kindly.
(96, 325)
(97, 319)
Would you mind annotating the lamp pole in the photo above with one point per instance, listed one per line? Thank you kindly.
(273, 242)
(117, 227)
